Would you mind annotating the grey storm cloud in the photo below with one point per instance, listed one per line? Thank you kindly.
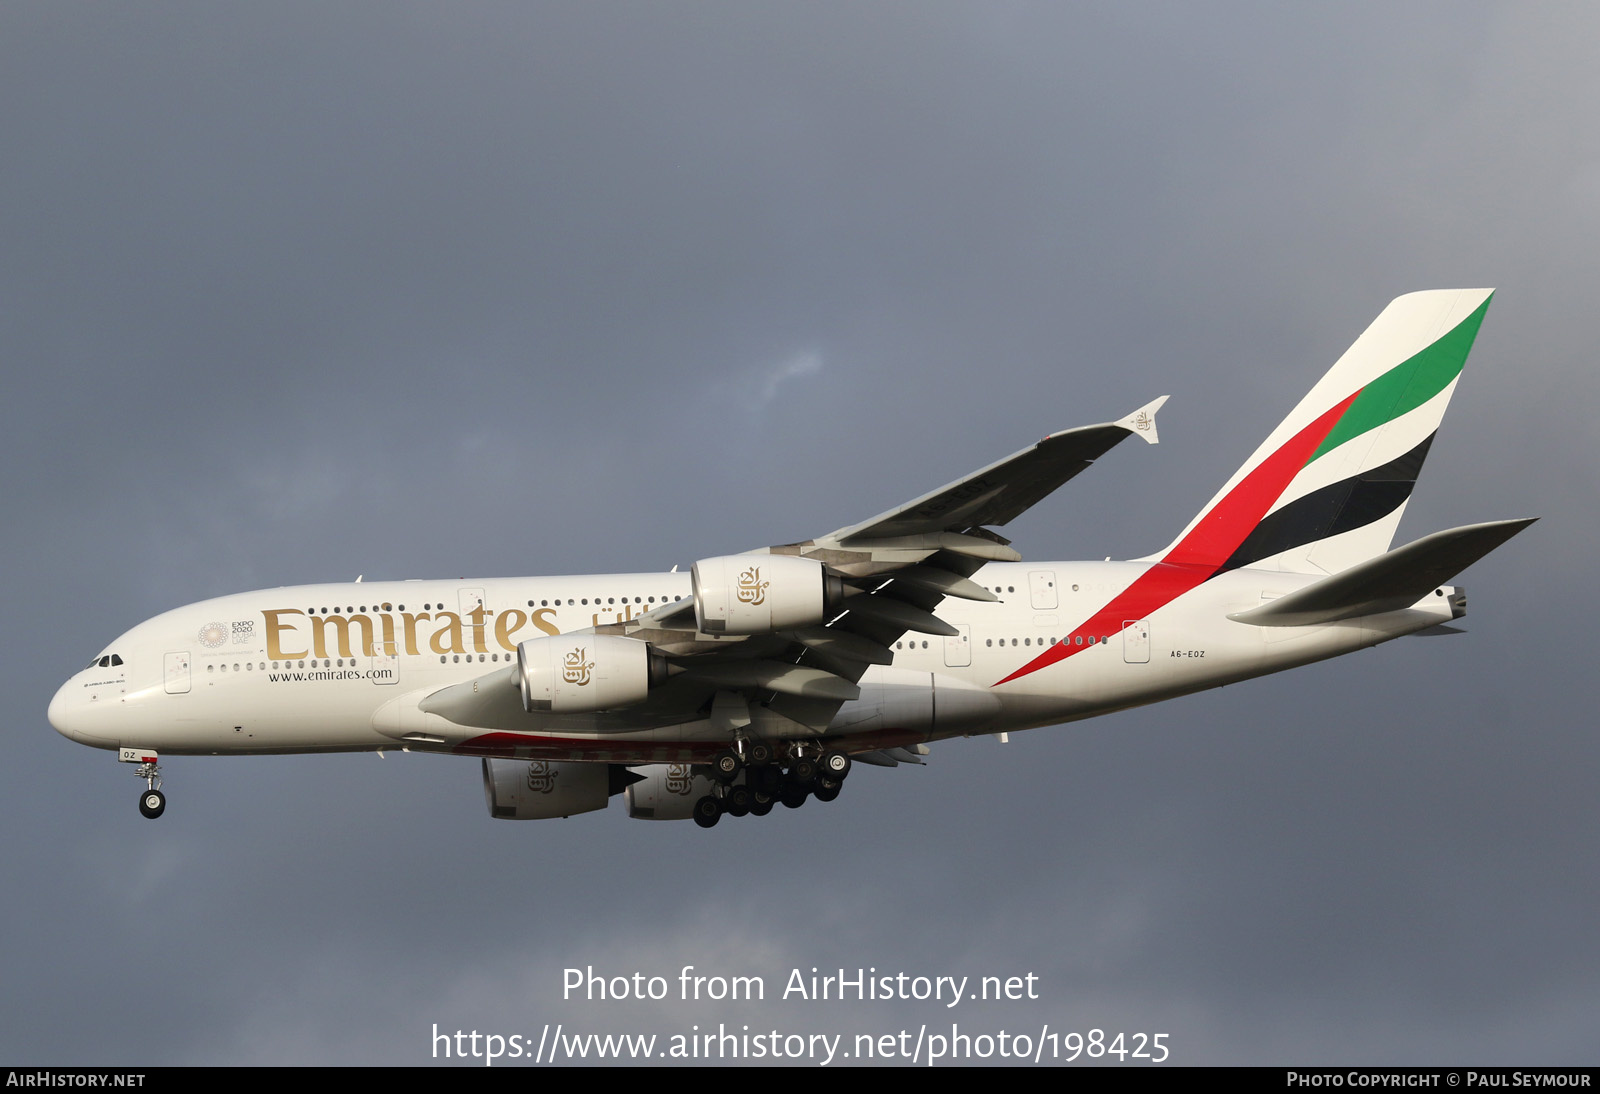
(297, 292)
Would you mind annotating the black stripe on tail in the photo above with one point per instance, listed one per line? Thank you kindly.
(1339, 507)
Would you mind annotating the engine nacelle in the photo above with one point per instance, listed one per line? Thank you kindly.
(754, 594)
(584, 673)
(667, 792)
(542, 789)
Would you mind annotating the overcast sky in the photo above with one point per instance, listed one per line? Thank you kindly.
(295, 292)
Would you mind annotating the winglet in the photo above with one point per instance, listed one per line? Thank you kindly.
(1142, 422)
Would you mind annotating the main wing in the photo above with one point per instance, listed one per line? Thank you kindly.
(1001, 492)
(881, 579)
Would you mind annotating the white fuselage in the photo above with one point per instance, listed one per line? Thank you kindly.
(323, 668)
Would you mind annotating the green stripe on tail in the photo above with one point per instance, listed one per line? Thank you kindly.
(1408, 385)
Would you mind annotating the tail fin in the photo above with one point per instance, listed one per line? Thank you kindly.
(1327, 488)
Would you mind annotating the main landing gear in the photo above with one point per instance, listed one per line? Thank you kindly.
(807, 773)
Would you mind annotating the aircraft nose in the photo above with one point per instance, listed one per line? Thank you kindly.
(60, 714)
(69, 714)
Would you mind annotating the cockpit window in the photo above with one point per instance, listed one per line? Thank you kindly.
(107, 661)
(115, 660)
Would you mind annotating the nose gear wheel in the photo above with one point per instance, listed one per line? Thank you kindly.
(152, 803)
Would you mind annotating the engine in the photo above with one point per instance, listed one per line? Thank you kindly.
(668, 792)
(753, 594)
(581, 674)
(542, 789)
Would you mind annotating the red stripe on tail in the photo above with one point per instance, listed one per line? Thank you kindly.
(1198, 555)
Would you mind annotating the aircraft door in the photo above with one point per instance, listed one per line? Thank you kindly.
(177, 674)
(1042, 589)
(1136, 641)
(958, 647)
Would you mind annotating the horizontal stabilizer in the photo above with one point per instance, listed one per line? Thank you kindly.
(1387, 583)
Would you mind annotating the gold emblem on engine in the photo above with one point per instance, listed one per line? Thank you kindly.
(574, 669)
(541, 779)
(680, 779)
(752, 590)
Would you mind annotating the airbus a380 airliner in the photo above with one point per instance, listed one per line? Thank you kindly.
(765, 676)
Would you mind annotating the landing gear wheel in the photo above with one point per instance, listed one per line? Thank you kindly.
(803, 770)
(726, 764)
(835, 765)
(707, 811)
(759, 753)
(826, 790)
(761, 805)
(794, 796)
(152, 803)
(738, 801)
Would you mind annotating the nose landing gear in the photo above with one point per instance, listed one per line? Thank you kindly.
(152, 803)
